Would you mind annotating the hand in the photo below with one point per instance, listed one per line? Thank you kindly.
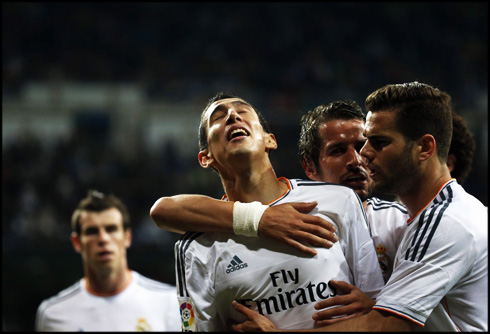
(354, 301)
(256, 323)
(290, 223)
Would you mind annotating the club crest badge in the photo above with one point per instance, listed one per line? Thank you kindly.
(143, 326)
(384, 260)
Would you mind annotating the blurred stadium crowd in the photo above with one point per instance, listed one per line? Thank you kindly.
(284, 58)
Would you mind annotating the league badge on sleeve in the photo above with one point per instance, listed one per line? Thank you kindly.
(187, 315)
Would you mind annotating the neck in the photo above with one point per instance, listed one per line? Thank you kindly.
(258, 183)
(108, 283)
(425, 188)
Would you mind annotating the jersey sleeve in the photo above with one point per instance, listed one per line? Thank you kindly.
(359, 248)
(40, 324)
(428, 265)
(195, 287)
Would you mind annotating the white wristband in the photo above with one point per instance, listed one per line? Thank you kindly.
(246, 218)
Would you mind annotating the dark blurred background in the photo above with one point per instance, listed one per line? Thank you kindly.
(108, 96)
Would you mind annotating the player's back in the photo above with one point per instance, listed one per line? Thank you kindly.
(213, 269)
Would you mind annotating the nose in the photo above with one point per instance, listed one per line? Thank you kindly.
(233, 116)
(103, 236)
(367, 152)
(355, 159)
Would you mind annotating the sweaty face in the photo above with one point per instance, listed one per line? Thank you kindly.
(102, 241)
(233, 131)
(390, 157)
(339, 160)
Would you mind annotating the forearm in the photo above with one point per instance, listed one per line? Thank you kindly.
(198, 213)
(374, 321)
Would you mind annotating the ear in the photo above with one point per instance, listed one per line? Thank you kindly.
(310, 169)
(205, 158)
(270, 142)
(75, 241)
(451, 162)
(127, 238)
(427, 145)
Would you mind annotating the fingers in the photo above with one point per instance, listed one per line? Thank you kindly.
(305, 249)
(327, 322)
(311, 239)
(243, 309)
(318, 221)
(237, 328)
(343, 286)
(331, 312)
(299, 230)
(334, 301)
(304, 207)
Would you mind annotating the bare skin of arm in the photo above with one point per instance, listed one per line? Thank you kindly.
(374, 321)
(288, 223)
(352, 303)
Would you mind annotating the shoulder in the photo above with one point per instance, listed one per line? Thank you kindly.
(307, 190)
(377, 204)
(309, 184)
(456, 209)
(153, 285)
(57, 302)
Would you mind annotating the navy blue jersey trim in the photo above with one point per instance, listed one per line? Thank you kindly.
(436, 224)
(429, 226)
(387, 308)
(379, 204)
(426, 227)
(182, 246)
(318, 183)
(421, 219)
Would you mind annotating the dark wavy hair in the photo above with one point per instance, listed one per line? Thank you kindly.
(462, 147)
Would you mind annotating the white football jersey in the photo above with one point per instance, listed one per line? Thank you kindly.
(144, 305)
(387, 223)
(440, 274)
(213, 269)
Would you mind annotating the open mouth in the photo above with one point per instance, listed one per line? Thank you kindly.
(238, 132)
(104, 254)
(356, 181)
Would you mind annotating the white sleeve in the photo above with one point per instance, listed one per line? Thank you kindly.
(39, 327)
(424, 272)
(195, 287)
(359, 249)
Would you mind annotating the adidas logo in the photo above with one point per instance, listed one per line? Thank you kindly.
(235, 264)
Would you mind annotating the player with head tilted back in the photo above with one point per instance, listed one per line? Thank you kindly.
(332, 136)
(213, 269)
